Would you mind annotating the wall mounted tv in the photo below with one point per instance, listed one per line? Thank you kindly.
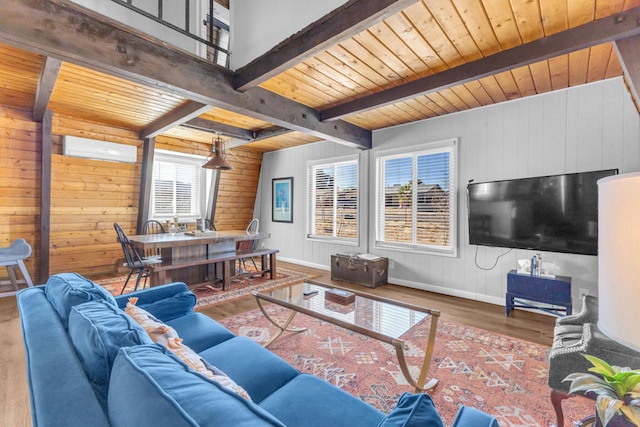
(557, 213)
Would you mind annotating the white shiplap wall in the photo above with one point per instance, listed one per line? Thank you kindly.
(590, 127)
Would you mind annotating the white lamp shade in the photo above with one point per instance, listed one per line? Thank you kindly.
(619, 258)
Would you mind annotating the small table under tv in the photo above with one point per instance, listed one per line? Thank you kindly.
(555, 291)
(360, 313)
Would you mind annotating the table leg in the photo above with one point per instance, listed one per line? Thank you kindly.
(283, 327)
(226, 274)
(272, 266)
(263, 265)
(421, 383)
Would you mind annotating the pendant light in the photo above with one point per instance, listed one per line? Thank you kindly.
(217, 159)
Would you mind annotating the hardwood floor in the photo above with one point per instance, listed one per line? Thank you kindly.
(14, 397)
(524, 325)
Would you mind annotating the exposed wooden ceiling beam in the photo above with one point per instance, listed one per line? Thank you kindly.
(235, 132)
(600, 31)
(348, 20)
(174, 118)
(628, 51)
(269, 133)
(48, 77)
(222, 128)
(66, 31)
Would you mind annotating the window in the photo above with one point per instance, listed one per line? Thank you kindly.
(333, 199)
(416, 198)
(177, 187)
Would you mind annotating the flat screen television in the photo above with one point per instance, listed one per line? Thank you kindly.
(557, 213)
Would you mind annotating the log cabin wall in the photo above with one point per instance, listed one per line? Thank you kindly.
(20, 148)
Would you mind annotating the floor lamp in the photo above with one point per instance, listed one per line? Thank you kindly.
(619, 258)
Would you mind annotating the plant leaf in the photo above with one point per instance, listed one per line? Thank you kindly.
(588, 382)
(600, 365)
(606, 407)
(633, 413)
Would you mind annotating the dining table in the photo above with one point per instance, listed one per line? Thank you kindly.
(182, 246)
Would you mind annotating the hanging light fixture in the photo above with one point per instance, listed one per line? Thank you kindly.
(217, 159)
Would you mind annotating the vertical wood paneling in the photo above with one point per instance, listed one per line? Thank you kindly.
(87, 198)
(547, 134)
(20, 142)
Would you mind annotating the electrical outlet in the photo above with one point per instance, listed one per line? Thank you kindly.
(583, 292)
(391, 264)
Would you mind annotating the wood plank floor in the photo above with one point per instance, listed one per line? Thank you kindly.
(524, 325)
(14, 397)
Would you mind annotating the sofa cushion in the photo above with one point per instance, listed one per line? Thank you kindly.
(200, 332)
(66, 290)
(150, 386)
(312, 402)
(413, 410)
(254, 368)
(166, 302)
(97, 330)
(201, 366)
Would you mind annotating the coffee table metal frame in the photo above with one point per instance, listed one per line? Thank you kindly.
(420, 384)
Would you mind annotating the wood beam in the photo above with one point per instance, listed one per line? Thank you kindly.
(45, 194)
(174, 118)
(146, 179)
(64, 30)
(600, 31)
(216, 127)
(269, 133)
(346, 21)
(48, 77)
(628, 51)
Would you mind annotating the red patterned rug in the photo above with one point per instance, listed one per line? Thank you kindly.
(209, 294)
(502, 376)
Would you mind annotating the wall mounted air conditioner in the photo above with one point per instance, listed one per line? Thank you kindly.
(73, 146)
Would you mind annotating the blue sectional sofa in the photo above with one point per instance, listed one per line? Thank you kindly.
(91, 364)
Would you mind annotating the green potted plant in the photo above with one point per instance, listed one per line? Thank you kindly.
(617, 390)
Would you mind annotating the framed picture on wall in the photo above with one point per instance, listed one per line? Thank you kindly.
(282, 200)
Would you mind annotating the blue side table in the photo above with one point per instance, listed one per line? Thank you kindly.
(544, 290)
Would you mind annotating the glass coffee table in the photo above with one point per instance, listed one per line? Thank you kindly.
(376, 317)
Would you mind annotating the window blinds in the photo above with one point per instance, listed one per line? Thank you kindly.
(333, 200)
(177, 188)
(415, 199)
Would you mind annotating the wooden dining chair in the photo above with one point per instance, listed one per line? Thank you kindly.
(248, 245)
(153, 226)
(133, 260)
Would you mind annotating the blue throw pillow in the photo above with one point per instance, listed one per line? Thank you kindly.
(66, 290)
(98, 330)
(413, 410)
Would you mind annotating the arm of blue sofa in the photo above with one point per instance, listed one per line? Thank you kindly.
(166, 302)
(471, 417)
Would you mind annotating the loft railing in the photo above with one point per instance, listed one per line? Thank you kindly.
(215, 27)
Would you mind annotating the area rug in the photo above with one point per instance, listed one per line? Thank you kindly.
(209, 294)
(502, 376)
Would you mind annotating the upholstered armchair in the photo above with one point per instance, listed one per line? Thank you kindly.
(574, 336)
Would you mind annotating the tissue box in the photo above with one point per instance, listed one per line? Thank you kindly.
(339, 296)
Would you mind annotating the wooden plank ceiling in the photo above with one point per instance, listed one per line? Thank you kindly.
(424, 39)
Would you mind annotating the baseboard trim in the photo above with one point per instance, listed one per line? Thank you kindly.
(500, 301)
(304, 263)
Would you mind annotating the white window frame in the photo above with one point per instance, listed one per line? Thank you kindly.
(311, 199)
(203, 178)
(448, 145)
